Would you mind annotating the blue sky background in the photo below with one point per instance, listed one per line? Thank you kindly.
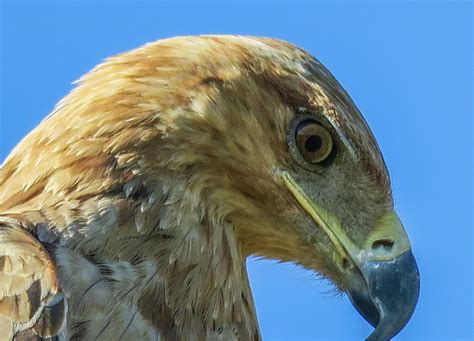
(408, 66)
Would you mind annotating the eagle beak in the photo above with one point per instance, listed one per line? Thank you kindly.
(384, 284)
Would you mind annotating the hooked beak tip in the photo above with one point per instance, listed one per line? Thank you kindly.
(385, 293)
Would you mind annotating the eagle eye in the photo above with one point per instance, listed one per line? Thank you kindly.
(314, 142)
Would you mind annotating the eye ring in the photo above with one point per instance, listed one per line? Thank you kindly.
(313, 141)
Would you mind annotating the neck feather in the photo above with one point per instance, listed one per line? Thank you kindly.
(201, 289)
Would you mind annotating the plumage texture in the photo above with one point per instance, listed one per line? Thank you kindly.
(129, 211)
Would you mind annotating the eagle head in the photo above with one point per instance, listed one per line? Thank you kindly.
(250, 147)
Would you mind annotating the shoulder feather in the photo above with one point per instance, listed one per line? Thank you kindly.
(30, 299)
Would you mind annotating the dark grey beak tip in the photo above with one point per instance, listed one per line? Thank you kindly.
(386, 294)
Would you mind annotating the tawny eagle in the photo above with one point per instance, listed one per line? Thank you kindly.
(129, 212)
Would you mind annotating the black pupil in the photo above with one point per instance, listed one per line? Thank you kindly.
(313, 143)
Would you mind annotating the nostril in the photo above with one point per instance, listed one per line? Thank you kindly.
(385, 245)
(345, 263)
